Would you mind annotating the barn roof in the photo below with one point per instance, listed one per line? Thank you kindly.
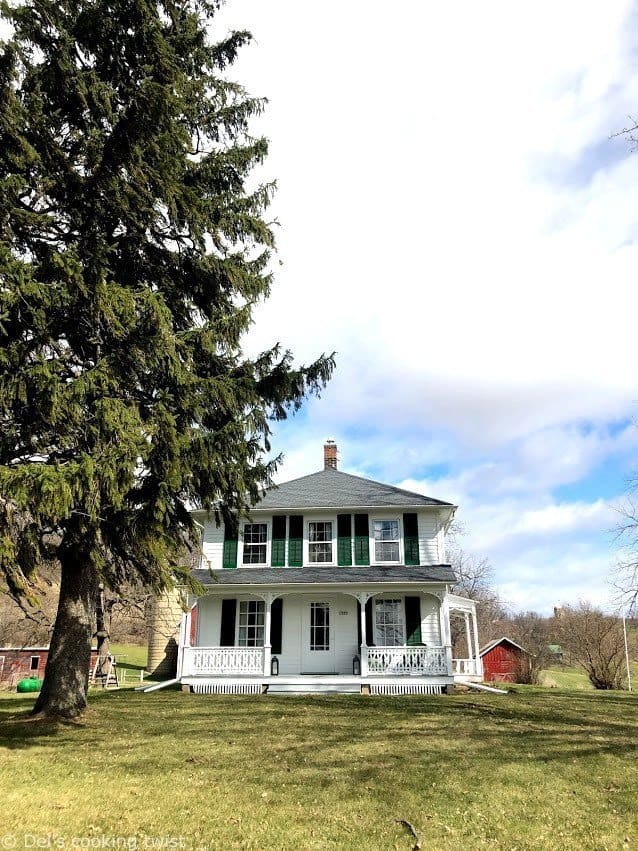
(492, 644)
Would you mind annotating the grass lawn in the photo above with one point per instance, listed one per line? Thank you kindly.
(131, 662)
(538, 768)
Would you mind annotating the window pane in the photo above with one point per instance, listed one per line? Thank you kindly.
(320, 542)
(386, 540)
(386, 530)
(319, 626)
(255, 538)
(251, 623)
(386, 551)
(389, 622)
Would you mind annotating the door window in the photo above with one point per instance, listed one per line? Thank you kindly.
(319, 626)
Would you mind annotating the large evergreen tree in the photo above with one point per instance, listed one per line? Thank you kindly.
(132, 250)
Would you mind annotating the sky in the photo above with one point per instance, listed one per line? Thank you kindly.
(457, 222)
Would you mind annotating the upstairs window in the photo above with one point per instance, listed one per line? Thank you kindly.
(320, 542)
(386, 540)
(255, 539)
(250, 631)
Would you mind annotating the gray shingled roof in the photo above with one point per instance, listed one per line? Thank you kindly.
(314, 575)
(333, 489)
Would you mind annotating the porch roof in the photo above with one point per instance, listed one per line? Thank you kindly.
(321, 575)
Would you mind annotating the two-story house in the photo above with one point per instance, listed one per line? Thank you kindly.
(332, 583)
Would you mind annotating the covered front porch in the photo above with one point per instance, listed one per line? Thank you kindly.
(372, 640)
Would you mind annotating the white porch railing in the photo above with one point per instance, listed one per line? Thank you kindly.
(428, 661)
(465, 667)
(223, 660)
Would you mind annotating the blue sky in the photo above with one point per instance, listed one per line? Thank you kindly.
(457, 223)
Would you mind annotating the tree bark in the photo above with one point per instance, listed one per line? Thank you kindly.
(66, 676)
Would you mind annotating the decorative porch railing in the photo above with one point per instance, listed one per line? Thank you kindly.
(223, 660)
(428, 661)
(465, 667)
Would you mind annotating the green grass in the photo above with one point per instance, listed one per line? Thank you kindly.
(566, 678)
(131, 663)
(534, 769)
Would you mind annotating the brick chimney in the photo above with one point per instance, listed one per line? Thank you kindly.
(330, 455)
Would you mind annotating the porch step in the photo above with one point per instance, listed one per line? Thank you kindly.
(313, 688)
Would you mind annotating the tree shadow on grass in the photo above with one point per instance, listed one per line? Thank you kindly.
(545, 726)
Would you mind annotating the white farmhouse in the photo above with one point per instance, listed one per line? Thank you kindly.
(333, 583)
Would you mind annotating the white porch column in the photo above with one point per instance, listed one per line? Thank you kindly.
(184, 632)
(446, 633)
(478, 663)
(468, 635)
(363, 649)
(267, 623)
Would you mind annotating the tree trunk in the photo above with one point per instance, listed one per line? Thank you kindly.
(66, 677)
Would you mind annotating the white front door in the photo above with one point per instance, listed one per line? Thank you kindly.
(317, 639)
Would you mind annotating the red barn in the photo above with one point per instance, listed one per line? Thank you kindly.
(503, 660)
(16, 663)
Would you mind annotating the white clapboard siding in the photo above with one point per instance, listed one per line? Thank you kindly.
(209, 621)
(344, 630)
(430, 622)
(428, 538)
(213, 543)
(290, 657)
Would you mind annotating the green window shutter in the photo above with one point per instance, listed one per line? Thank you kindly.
(295, 540)
(229, 558)
(227, 631)
(344, 540)
(276, 624)
(278, 544)
(411, 539)
(413, 621)
(361, 539)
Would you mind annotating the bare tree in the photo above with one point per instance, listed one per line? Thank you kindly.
(596, 643)
(475, 576)
(625, 573)
(533, 633)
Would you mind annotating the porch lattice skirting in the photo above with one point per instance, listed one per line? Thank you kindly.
(227, 688)
(317, 685)
(406, 688)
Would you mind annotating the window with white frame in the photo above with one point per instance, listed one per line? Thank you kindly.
(319, 626)
(255, 541)
(250, 630)
(35, 663)
(388, 623)
(386, 540)
(320, 542)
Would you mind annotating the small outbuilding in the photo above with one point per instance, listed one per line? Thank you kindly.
(504, 661)
(16, 663)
